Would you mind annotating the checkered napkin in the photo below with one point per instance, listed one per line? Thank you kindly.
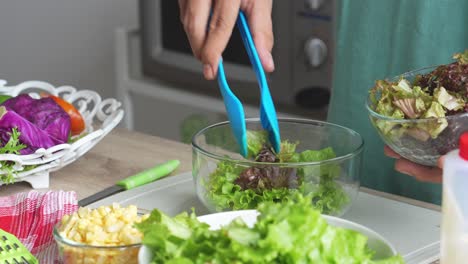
(31, 217)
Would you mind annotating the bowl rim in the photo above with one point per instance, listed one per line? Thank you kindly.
(409, 120)
(246, 162)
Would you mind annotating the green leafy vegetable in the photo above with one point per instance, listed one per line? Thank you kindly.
(4, 97)
(291, 232)
(12, 146)
(235, 187)
(447, 100)
(288, 152)
(462, 57)
(439, 93)
(256, 139)
(436, 94)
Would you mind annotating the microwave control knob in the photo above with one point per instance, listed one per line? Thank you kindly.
(314, 4)
(316, 51)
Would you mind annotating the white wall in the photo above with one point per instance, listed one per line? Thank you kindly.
(65, 42)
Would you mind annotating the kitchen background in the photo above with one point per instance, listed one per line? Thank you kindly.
(96, 44)
(64, 42)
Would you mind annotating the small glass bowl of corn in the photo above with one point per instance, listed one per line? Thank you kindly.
(101, 235)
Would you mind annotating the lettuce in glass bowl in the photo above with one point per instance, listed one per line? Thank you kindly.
(318, 159)
(422, 113)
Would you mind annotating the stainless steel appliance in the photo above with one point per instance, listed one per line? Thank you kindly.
(303, 53)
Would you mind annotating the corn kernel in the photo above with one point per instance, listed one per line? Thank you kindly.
(83, 212)
(77, 237)
(65, 219)
(95, 214)
(103, 210)
(115, 206)
(118, 212)
(106, 225)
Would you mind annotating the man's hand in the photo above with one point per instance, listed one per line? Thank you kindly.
(420, 172)
(209, 41)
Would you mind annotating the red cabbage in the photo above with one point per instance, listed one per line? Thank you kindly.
(42, 123)
(45, 113)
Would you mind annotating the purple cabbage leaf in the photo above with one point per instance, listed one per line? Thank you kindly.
(42, 123)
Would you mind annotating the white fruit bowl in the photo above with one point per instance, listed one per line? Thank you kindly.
(100, 116)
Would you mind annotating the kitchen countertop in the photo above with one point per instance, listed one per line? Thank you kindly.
(123, 153)
(120, 154)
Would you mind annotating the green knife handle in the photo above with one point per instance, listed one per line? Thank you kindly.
(149, 175)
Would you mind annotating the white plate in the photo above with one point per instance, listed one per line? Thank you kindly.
(377, 243)
(100, 117)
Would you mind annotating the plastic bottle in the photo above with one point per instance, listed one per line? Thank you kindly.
(454, 232)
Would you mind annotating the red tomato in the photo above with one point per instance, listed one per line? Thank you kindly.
(77, 121)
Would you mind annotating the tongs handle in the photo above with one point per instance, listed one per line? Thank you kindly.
(234, 108)
(268, 116)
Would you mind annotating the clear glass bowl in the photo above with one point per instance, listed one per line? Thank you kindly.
(71, 252)
(405, 137)
(332, 183)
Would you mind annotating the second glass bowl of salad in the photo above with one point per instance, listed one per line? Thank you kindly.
(415, 117)
(317, 159)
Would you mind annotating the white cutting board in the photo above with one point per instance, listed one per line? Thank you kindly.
(414, 231)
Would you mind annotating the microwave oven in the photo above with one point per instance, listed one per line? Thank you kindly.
(303, 54)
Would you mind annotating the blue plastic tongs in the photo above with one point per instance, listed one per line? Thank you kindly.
(234, 108)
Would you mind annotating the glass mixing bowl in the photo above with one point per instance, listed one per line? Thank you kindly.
(71, 252)
(405, 136)
(332, 183)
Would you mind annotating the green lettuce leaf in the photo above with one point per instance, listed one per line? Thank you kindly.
(288, 152)
(291, 232)
(461, 57)
(256, 139)
(447, 100)
(403, 87)
(12, 146)
(317, 181)
(435, 127)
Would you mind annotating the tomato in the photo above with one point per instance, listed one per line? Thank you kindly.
(77, 121)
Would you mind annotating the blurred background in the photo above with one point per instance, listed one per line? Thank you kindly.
(137, 52)
(63, 41)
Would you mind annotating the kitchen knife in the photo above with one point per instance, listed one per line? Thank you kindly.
(131, 182)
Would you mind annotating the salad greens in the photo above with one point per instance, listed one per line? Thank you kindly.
(292, 232)
(235, 187)
(12, 146)
(437, 94)
(256, 139)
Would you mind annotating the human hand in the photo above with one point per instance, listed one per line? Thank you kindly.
(208, 46)
(420, 172)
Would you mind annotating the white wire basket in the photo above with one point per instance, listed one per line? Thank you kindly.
(100, 117)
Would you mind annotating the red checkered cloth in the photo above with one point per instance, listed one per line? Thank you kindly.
(31, 217)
